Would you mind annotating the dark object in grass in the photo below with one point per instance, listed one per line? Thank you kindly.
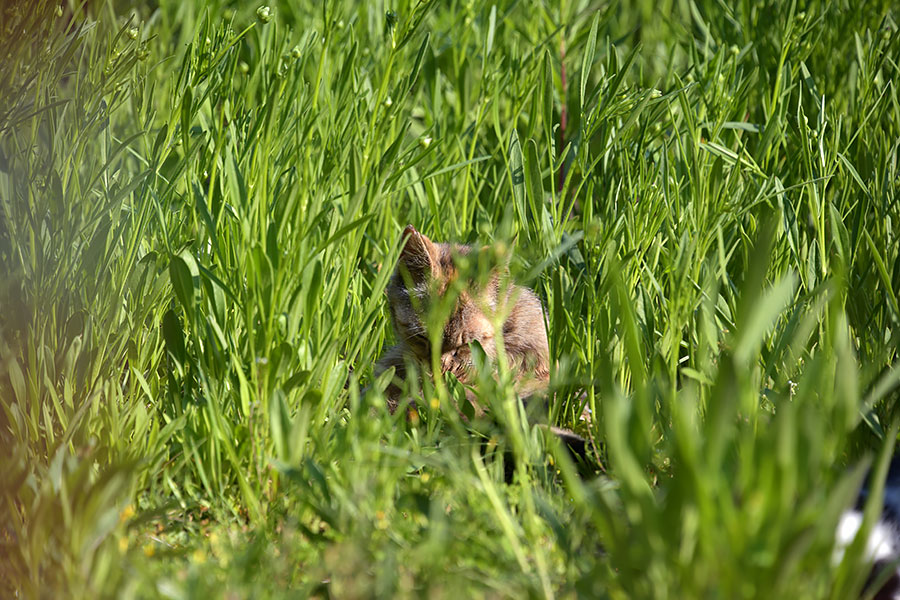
(574, 443)
(883, 545)
(577, 447)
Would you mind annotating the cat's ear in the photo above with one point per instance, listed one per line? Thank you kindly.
(419, 254)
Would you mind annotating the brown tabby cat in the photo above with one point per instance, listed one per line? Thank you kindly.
(429, 268)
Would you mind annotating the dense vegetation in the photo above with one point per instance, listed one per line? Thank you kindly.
(199, 209)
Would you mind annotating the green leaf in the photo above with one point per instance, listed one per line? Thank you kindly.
(417, 65)
(547, 96)
(885, 278)
(517, 173)
(186, 113)
(200, 205)
(183, 284)
(312, 280)
(761, 317)
(160, 141)
(280, 423)
(533, 181)
(17, 380)
(174, 336)
(587, 60)
(272, 249)
(343, 231)
(854, 173)
(489, 39)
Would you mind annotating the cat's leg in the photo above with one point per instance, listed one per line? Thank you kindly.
(393, 357)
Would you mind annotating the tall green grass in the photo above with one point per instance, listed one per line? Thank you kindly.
(200, 206)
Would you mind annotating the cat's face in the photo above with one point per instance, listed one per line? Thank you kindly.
(424, 274)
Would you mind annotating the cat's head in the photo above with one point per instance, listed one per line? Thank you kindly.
(425, 274)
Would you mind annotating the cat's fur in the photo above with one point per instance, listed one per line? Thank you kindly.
(426, 269)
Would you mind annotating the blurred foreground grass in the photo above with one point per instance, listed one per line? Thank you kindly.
(199, 208)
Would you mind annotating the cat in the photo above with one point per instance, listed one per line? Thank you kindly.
(425, 272)
(883, 545)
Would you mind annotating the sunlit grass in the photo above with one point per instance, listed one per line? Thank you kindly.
(199, 210)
